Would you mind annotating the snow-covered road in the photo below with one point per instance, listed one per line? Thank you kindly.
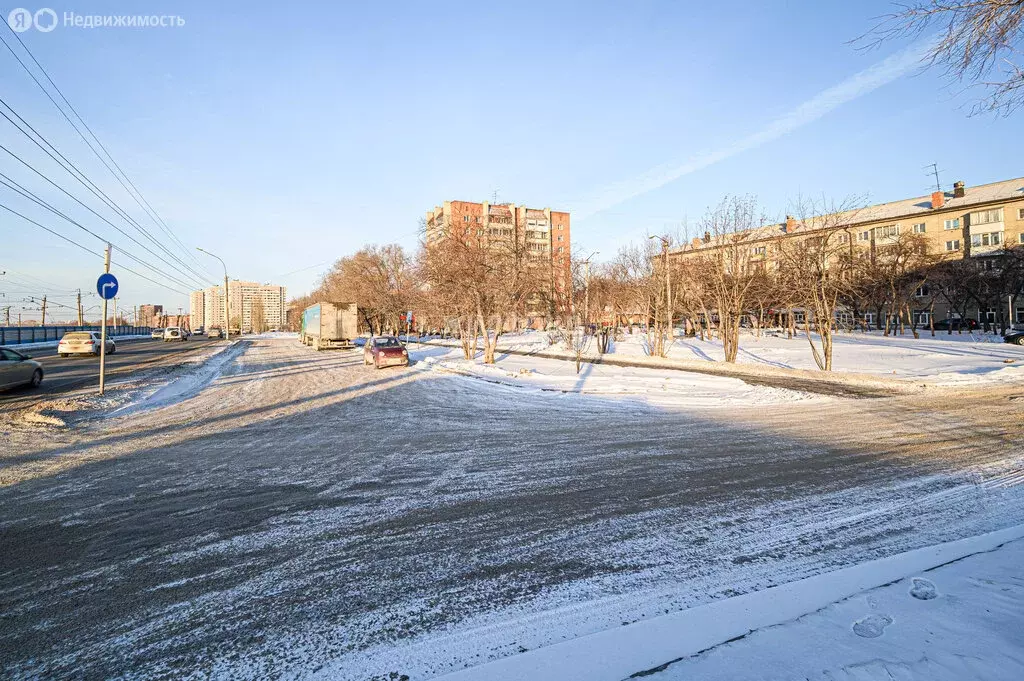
(299, 514)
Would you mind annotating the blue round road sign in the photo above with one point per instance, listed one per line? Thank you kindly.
(106, 286)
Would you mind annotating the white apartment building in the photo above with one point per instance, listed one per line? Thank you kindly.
(249, 302)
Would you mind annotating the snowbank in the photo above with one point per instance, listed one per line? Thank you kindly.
(962, 625)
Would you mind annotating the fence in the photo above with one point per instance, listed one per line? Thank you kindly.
(14, 335)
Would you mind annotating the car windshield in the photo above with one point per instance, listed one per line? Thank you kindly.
(77, 335)
(386, 342)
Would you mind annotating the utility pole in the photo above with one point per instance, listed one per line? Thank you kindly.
(79, 306)
(7, 316)
(44, 312)
(103, 327)
(668, 287)
(227, 300)
(586, 290)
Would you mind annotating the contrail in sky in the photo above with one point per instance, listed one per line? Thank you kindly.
(855, 86)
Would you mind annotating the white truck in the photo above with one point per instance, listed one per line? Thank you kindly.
(329, 325)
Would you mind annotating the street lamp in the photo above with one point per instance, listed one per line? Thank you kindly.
(586, 289)
(227, 299)
(668, 279)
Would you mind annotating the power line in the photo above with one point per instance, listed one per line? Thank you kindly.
(27, 193)
(32, 197)
(91, 186)
(134, 191)
(84, 248)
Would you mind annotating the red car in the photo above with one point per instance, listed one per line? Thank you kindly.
(385, 351)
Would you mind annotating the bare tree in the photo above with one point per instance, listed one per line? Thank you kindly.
(724, 263)
(817, 263)
(975, 42)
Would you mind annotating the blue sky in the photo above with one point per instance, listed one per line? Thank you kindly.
(284, 136)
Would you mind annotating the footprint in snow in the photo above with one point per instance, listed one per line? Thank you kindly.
(922, 589)
(871, 626)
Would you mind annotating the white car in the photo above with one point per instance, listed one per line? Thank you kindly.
(83, 343)
(174, 333)
(157, 334)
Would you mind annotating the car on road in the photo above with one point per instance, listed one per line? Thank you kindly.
(18, 369)
(174, 333)
(1015, 337)
(83, 343)
(157, 333)
(956, 325)
(385, 351)
(215, 332)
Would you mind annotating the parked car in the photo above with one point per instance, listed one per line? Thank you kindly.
(157, 333)
(956, 325)
(174, 333)
(385, 351)
(215, 332)
(1015, 337)
(83, 343)
(18, 369)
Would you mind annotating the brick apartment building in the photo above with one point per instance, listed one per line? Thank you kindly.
(545, 234)
(972, 223)
(149, 314)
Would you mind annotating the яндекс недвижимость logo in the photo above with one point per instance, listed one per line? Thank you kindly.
(21, 19)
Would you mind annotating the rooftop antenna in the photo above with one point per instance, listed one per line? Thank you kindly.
(494, 197)
(935, 171)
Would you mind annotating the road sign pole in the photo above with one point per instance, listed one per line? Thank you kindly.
(103, 327)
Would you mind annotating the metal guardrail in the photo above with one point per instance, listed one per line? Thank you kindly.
(16, 335)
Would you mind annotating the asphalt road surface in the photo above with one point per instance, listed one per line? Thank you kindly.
(63, 373)
(302, 515)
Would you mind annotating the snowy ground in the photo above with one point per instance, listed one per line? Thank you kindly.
(945, 359)
(289, 513)
(663, 387)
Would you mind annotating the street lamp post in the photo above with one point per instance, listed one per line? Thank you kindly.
(668, 282)
(227, 299)
(586, 290)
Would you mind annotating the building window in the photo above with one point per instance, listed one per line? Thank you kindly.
(987, 217)
(760, 250)
(869, 318)
(922, 318)
(1020, 237)
(465, 218)
(953, 245)
(951, 224)
(844, 238)
(559, 237)
(864, 236)
(1020, 213)
(560, 249)
(922, 291)
(559, 226)
(886, 232)
(919, 228)
(987, 239)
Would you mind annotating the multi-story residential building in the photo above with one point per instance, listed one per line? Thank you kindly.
(542, 233)
(972, 223)
(249, 300)
(197, 309)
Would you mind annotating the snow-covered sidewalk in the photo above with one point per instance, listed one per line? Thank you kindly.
(951, 612)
